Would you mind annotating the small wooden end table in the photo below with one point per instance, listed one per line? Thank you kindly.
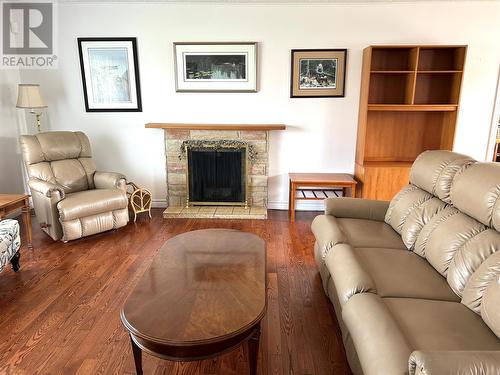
(318, 186)
(12, 202)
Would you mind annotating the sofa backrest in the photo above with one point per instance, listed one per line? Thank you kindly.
(63, 158)
(450, 215)
(427, 194)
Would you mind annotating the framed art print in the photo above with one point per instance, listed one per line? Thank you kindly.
(216, 67)
(110, 74)
(318, 73)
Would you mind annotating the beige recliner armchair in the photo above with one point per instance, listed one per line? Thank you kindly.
(71, 199)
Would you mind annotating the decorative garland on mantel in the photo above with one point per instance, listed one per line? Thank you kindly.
(217, 144)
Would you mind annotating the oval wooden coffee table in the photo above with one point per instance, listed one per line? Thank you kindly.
(204, 294)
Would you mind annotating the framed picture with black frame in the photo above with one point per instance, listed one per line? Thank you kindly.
(318, 73)
(110, 74)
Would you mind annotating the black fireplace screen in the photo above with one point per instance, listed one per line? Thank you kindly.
(217, 176)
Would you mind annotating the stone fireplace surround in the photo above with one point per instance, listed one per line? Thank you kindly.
(257, 174)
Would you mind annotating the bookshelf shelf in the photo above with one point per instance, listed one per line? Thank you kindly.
(413, 107)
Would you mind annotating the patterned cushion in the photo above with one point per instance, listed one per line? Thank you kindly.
(9, 241)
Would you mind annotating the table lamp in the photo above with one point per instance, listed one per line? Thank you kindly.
(29, 98)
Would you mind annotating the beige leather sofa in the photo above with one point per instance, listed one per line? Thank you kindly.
(415, 283)
(70, 197)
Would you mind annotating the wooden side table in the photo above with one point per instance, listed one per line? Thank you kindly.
(318, 186)
(12, 202)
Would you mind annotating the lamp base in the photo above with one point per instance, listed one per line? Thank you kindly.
(38, 122)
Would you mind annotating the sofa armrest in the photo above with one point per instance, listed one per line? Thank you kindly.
(110, 180)
(47, 188)
(454, 362)
(327, 233)
(356, 208)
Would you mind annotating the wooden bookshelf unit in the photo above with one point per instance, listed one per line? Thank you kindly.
(409, 103)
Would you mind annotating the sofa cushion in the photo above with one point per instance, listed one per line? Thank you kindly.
(51, 146)
(70, 174)
(426, 232)
(357, 208)
(427, 194)
(386, 272)
(323, 271)
(403, 204)
(434, 171)
(418, 219)
(381, 345)
(370, 233)
(448, 237)
(386, 330)
(62, 158)
(91, 202)
(455, 245)
(327, 232)
(440, 325)
(347, 273)
(476, 192)
(470, 256)
(398, 273)
(490, 307)
(487, 273)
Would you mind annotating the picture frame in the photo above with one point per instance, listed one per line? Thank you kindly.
(318, 73)
(110, 74)
(216, 66)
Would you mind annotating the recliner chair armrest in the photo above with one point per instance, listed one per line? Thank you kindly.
(46, 188)
(110, 180)
(356, 208)
(454, 362)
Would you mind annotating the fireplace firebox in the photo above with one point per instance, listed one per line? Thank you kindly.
(217, 175)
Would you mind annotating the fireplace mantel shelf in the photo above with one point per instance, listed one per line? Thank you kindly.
(255, 127)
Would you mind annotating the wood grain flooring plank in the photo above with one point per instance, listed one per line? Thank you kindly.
(60, 313)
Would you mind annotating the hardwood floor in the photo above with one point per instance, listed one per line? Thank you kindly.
(60, 313)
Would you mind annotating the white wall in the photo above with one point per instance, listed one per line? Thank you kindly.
(321, 134)
(11, 125)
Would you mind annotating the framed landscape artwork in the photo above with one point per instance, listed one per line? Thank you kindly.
(216, 67)
(110, 74)
(318, 73)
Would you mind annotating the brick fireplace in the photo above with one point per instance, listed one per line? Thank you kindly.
(253, 137)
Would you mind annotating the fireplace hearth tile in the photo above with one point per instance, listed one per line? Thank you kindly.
(191, 210)
(241, 211)
(223, 210)
(207, 210)
(173, 210)
(215, 212)
(258, 211)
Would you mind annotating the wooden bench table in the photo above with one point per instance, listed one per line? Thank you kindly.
(318, 186)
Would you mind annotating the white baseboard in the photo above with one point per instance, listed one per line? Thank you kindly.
(299, 206)
(159, 203)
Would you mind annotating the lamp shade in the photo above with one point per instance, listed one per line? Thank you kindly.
(29, 96)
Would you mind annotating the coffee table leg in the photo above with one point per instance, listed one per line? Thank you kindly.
(253, 350)
(137, 356)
